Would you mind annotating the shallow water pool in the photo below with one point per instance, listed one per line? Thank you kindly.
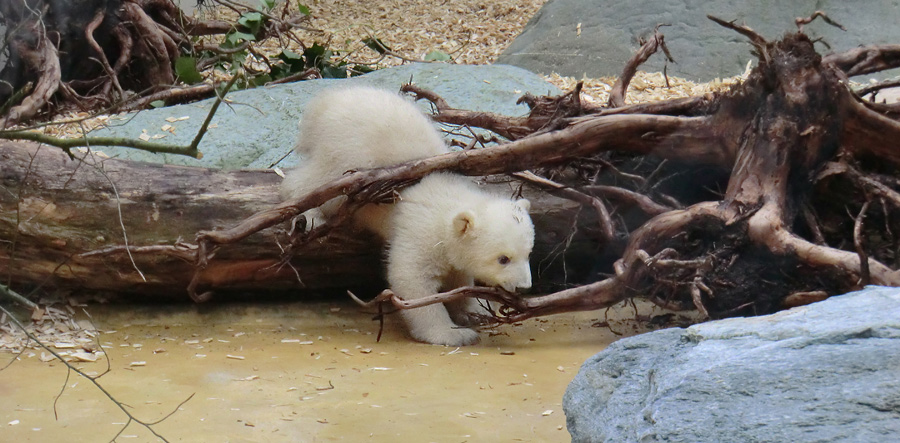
(303, 372)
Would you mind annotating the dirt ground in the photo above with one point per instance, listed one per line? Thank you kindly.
(302, 372)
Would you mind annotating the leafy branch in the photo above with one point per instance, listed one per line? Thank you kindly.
(67, 144)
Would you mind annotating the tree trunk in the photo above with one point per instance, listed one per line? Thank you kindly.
(63, 223)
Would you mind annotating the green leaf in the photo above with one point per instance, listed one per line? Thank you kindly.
(334, 72)
(360, 70)
(238, 59)
(252, 21)
(260, 80)
(293, 60)
(302, 8)
(236, 37)
(157, 103)
(268, 5)
(288, 56)
(280, 70)
(315, 56)
(186, 70)
(437, 56)
(376, 44)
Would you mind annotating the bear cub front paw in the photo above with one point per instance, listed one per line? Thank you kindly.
(447, 336)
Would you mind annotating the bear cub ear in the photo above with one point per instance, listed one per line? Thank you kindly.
(464, 222)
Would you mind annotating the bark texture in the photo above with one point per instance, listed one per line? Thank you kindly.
(779, 192)
(64, 224)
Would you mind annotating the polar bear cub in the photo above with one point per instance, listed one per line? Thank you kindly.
(357, 128)
(443, 233)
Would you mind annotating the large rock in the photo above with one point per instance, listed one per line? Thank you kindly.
(609, 33)
(827, 372)
(259, 126)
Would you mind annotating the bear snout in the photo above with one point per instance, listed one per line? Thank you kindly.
(523, 281)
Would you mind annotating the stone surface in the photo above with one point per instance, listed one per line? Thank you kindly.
(259, 127)
(609, 32)
(826, 372)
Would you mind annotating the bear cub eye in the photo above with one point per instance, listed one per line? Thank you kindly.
(503, 260)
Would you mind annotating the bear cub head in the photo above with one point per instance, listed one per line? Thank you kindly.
(494, 242)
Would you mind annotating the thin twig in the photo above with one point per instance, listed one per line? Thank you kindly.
(607, 226)
(99, 169)
(756, 39)
(5, 290)
(656, 42)
(864, 276)
(866, 90)
(800, 21)
(68, 144)
(92, 380)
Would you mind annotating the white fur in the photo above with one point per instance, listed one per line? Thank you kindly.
(357, 128)
(444, 233)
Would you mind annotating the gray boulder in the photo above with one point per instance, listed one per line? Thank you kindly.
(703, 50)
(259, 126)
(826, 372)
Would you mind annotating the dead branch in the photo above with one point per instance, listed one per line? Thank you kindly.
(864, 273)
(67, 144)
(756, 40)
(40, 58)
(631, 198)
(874, 88)
(607, 228)
(801, 21)
(865, 59)
(677, 138)
(129, 45)
(93, 380)
(648, 48)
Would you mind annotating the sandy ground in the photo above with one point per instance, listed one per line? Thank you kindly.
(302, 372)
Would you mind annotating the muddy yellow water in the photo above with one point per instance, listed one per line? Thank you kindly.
(310, 372)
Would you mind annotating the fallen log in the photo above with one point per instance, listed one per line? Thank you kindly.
(65, 224)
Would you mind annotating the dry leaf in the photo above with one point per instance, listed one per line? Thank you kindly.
(84, 356)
